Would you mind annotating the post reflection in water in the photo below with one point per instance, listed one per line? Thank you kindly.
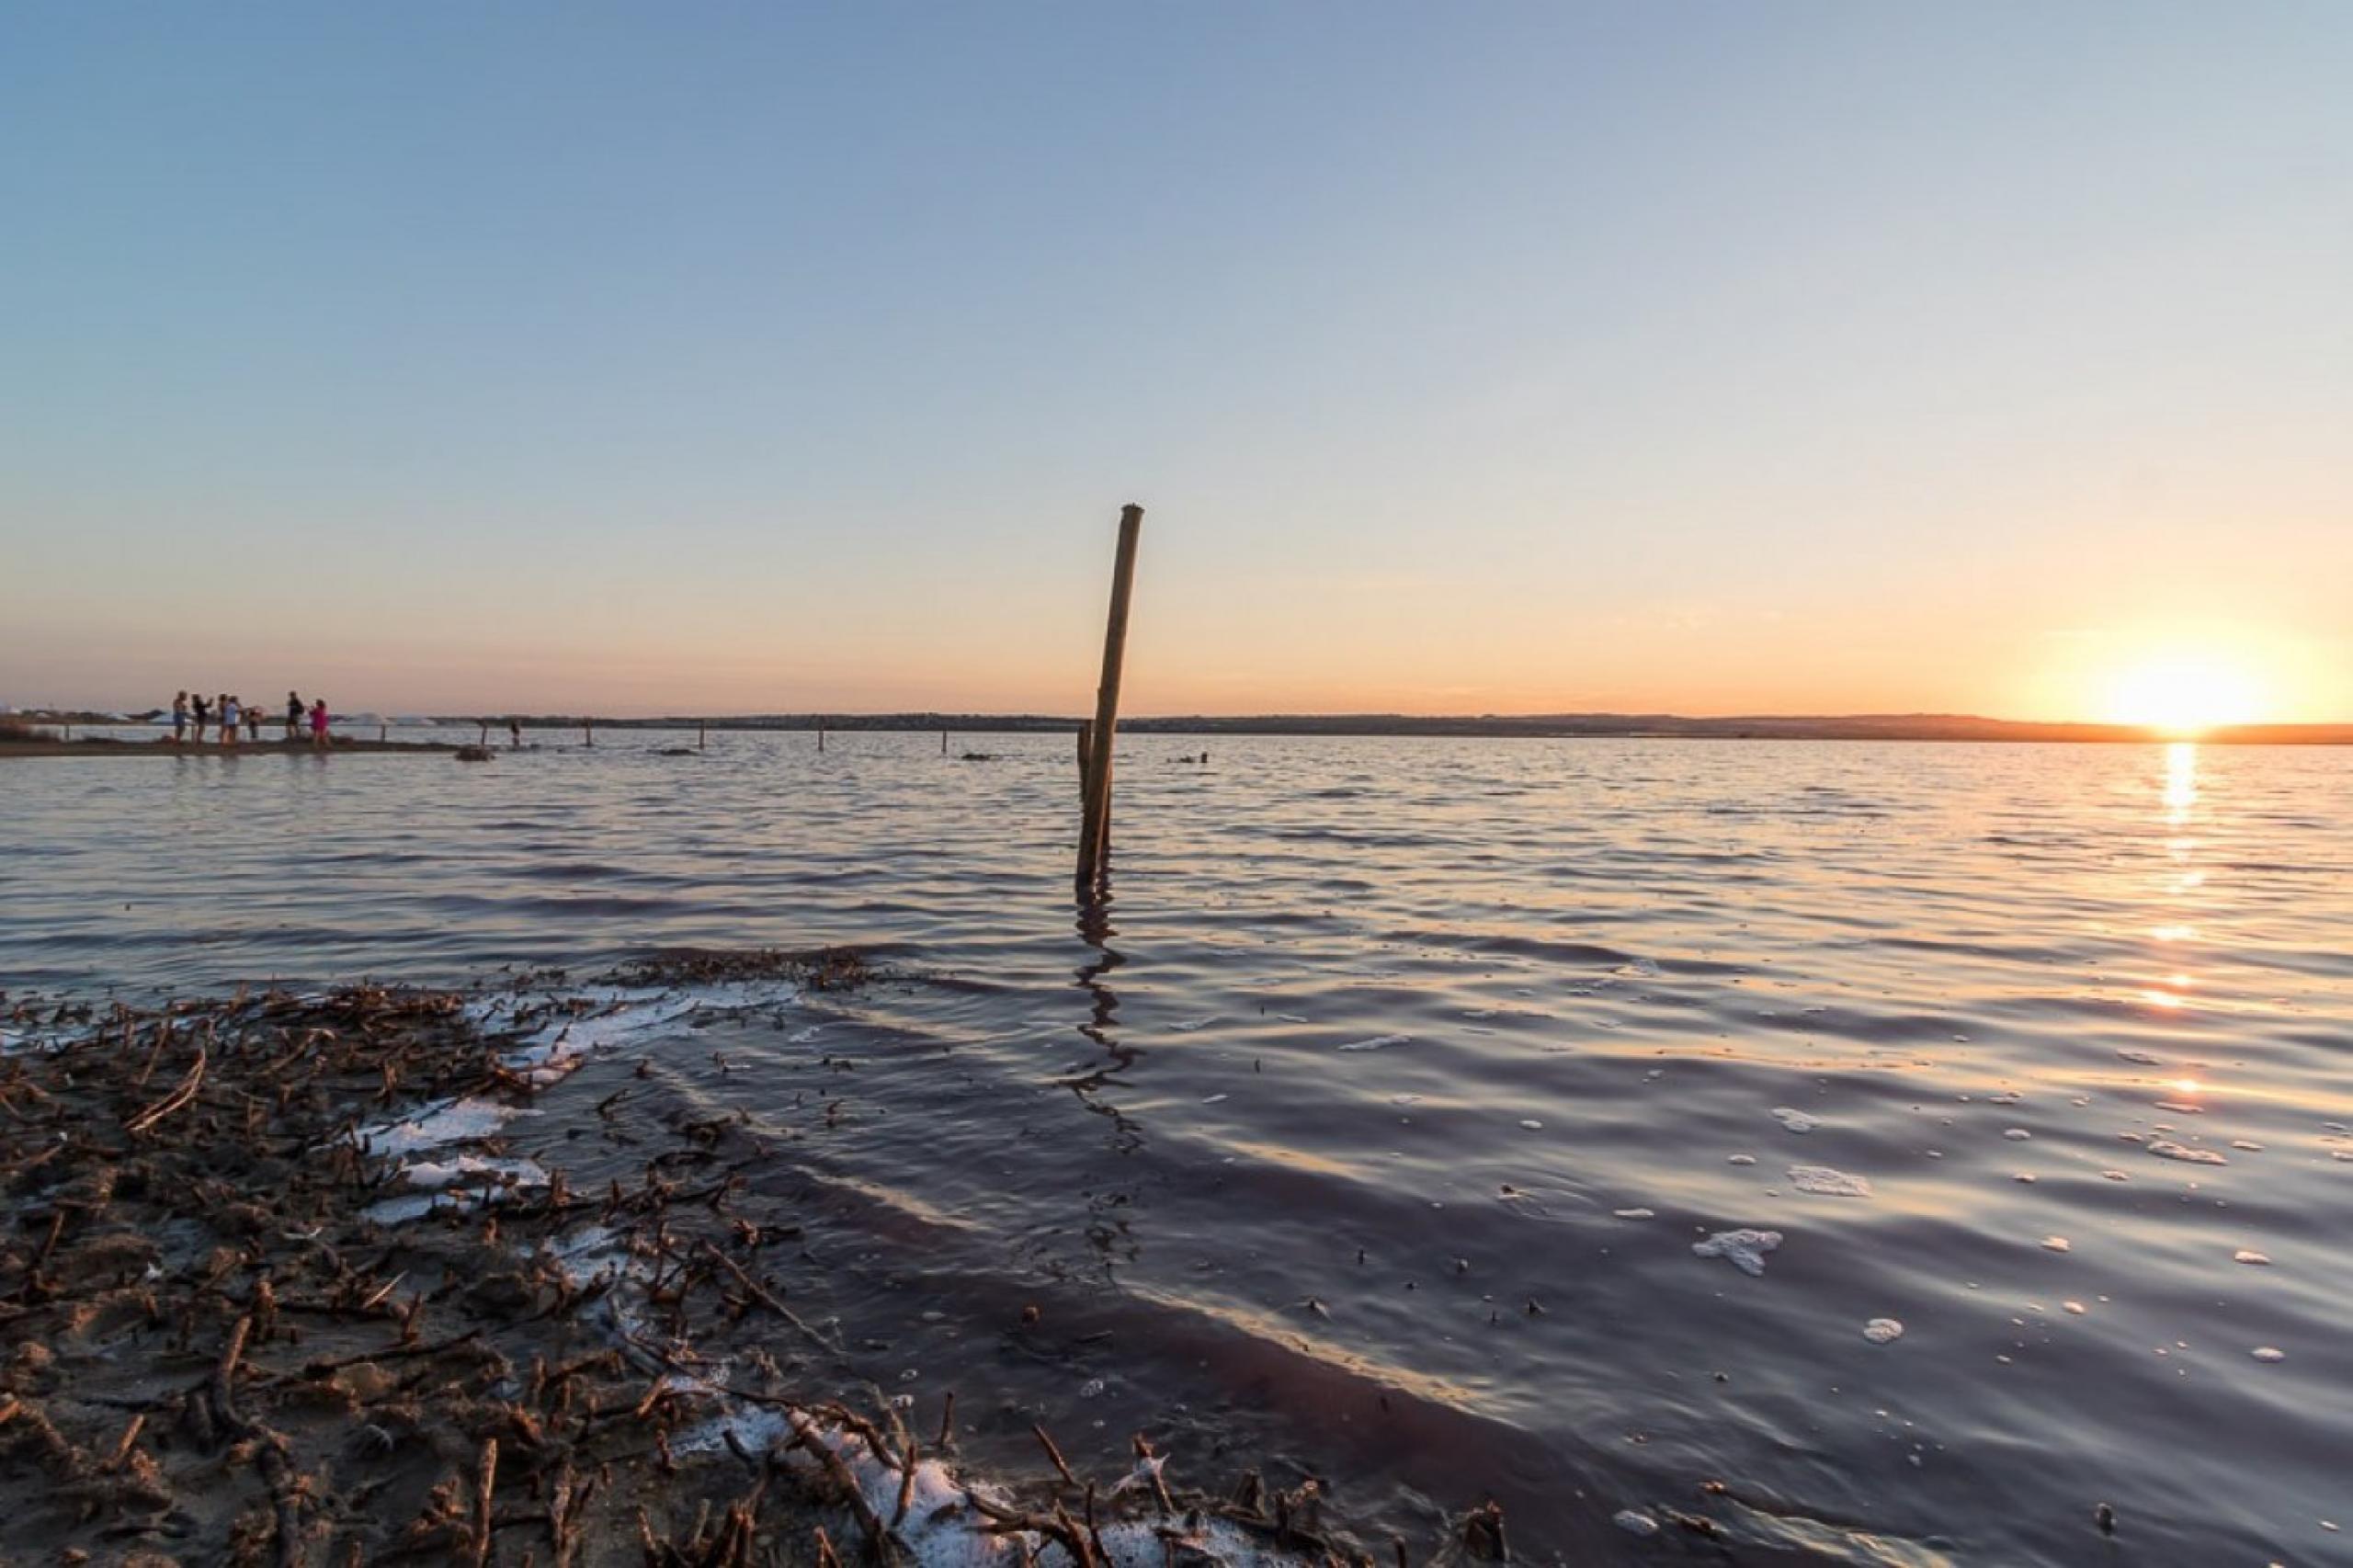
(1095, 929)
(1110, 1207)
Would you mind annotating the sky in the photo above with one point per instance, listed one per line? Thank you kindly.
(714, 358)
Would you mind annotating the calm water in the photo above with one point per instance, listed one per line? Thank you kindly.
(1385, 1041)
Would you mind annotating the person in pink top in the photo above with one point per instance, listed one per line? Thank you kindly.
(319, 722)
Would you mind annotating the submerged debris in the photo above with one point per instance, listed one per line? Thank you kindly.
(273, 1292)
(821, 969)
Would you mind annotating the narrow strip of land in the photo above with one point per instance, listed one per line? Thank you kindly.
(102, 746)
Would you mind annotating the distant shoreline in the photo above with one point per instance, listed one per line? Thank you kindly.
(1548, 726)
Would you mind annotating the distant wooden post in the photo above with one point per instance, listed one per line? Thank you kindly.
(483, 739)
(702, 734)
(943, 743)
(820, 737)
(382, 731)
(588, 732)
(1094, 816)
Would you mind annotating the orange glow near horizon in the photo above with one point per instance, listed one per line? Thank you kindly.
(2185, 694)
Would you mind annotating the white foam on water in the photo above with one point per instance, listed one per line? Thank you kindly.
(1793, 1120)
(941, 1529)
(2268, 1353)
(559, 1048)
(2016, 1134)
(2166, 1149)
(2247, 1256)
(1740, 1159)
(1378, 1043)
(429, 1175)
(1635, 1522)
(1531, 1124)
(2056, 1244)
(587, 1254)
(458, 1186)
(1824, 1182)
(1744, 1249)
(1883, 1331)
(413, 1205)
(1635, 1213)
(437, 1127)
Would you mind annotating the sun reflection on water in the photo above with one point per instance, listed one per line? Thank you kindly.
(2177, 791)
(2181, 781)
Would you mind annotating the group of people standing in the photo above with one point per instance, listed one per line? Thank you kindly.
(227, 713)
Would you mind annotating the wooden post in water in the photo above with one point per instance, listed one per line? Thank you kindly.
(943, 743)
(1095, 773)
(483, 739)
(588, 732)
(820, 737)
(702, 734)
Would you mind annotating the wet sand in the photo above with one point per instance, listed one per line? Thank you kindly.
(252, 1309)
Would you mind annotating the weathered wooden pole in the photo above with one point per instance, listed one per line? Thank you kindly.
(702, 734)
(1095, 817)
(483, 739)
(820, 737)
(943, 743)
(588, 732)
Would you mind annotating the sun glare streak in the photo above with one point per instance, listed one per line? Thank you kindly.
(2181, 781)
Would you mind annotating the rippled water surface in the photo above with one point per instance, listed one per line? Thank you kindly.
(1371, 1128)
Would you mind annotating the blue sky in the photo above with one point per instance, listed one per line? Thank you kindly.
(1490, 357)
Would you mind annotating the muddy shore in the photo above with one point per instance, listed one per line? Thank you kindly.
(256, 1306)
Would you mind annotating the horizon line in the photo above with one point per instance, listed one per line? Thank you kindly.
(933, 719)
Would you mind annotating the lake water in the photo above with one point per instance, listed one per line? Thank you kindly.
(1370, 1129)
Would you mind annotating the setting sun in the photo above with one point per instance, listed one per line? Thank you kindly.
(2184, 694)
